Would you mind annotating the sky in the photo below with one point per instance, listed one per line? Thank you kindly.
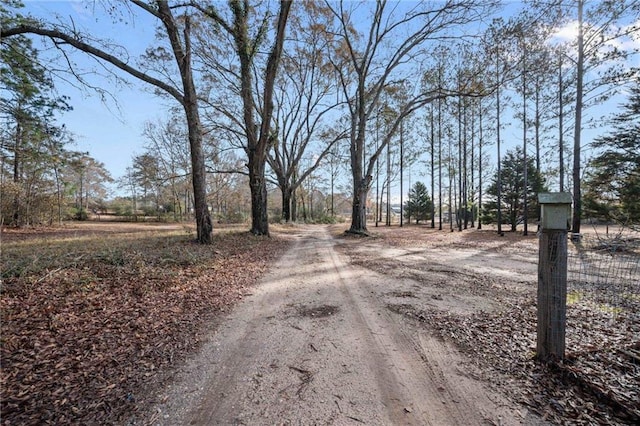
(111, 129)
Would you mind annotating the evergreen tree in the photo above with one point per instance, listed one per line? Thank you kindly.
(512, 189)
(29, 141)
(419, 204)
(613, 183)
(174, 30)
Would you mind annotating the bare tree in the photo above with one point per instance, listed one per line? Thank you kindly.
(167, 141)
(257, 105)
(306, 101)
(178, 33)
(372, 56)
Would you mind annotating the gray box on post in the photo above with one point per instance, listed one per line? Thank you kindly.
(555, 210)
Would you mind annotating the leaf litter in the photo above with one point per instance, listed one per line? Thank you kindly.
(598, 382)
(91, 322)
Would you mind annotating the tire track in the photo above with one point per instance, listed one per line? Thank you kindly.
(315, 344)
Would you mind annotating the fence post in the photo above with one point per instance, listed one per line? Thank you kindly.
(552, 274)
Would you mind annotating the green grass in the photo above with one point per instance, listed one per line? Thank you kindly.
(574, 297)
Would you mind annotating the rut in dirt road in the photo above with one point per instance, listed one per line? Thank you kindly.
(314, 344)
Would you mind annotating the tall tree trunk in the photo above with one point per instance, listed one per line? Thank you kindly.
(333, 205)
(433, 170)
(480, 164)
(459, 195)
(58, 192)
(258, 185)
(537, 135)
(204, 225)
(80, 201)
(182, 54)
(294, 206)
(378, 212)
(451, 183)
(17, 160)
(537, 123)
(439, 160)
(524, 141)
(471, 168)
(401, 173)
(311, 215)
(560, 125)
(388, 218)
(499, 180)
(577, 202)
(286, 203)
(380, 204)
(465, 182)
(360, 182)
(359, 208)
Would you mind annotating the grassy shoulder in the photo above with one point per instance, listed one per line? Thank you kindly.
(94, 314)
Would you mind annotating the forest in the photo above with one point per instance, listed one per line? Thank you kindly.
(303, 112)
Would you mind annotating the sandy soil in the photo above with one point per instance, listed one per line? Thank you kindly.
(322, 341)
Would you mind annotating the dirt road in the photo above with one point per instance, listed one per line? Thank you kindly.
(316, 343)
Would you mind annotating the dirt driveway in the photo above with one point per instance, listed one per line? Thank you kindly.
(321, 341)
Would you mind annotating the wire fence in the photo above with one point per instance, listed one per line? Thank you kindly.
(605, 269)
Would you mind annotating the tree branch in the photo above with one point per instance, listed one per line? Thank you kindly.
(54, 35)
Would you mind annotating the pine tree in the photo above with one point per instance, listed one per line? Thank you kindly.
(613, 183)
(512, 189)
(419, 204)
(27, 107)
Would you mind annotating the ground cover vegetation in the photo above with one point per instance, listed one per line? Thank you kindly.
(92, 316)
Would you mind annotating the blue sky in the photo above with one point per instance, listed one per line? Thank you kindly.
(110, 130)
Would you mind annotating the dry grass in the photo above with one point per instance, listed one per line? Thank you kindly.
(93, 314)
(599, 380)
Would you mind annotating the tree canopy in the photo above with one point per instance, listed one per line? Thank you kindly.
(513, 189)
(266, 91)
(419, 204)
(613, 177)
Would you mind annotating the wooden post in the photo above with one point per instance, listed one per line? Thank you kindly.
(552, 294)
(552, 275)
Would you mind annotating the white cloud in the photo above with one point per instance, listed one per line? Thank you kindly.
(567, 33)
